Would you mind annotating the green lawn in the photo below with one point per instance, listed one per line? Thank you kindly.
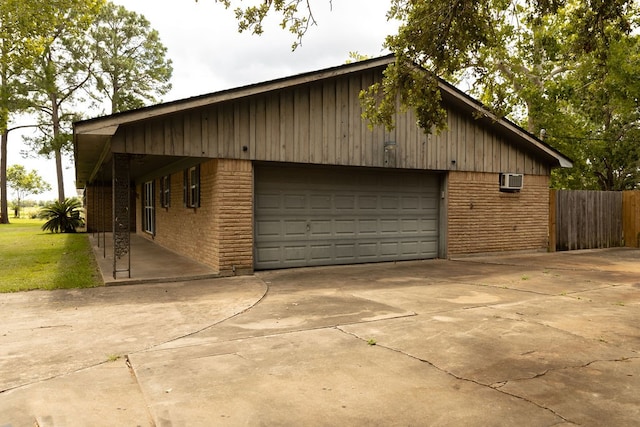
(33, 259)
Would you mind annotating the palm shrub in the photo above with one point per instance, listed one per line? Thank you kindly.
(62, 217)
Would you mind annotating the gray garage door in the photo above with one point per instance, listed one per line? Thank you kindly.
(323, 216)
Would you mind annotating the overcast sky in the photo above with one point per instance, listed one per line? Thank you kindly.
(209, 55)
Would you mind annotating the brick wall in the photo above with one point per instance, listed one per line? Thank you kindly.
(219, 233)
(98, 209)
(483, 219)
(233, 219)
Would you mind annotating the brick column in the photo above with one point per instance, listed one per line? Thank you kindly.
(233, 216)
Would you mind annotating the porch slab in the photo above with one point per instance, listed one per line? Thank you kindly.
(150, 263)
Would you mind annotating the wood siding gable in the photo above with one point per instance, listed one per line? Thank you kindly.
(320, 122)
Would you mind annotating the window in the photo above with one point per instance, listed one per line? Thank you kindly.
(165, 191)
(149, 215)
(191, 187)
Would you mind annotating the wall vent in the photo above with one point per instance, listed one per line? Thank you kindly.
(511, 181)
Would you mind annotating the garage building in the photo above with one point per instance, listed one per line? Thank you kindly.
(286, 173)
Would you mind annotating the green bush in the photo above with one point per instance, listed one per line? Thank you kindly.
(62, 217)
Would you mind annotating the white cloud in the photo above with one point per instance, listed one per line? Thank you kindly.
(209, 54)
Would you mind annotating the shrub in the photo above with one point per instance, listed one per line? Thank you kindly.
(62, 217)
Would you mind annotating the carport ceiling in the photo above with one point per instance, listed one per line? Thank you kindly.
(145, 167)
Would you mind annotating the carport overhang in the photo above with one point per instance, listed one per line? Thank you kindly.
(94, 157)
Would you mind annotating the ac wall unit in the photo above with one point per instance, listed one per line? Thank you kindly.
(511, 181)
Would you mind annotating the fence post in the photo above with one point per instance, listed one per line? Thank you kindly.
(631, 218)
(552, 220)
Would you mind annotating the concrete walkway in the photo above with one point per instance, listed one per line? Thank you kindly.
(150, 263)
(521, 339)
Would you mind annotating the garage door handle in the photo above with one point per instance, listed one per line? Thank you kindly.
(308, 226)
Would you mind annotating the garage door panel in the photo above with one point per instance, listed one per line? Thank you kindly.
(320, 202)
(367, 202)
(388, 248)
(294, 228)
(269, 256)
(268, 201)
(322, 252)
(295, 201)
(389, 203)
(410, 248)
(268, 228)
(429, 225)
(367, 227)
(368, 250)
(389, 226)
(345, 251)
(322, 216)
(346, 227)
(410, 225)
(295, 252)
(344, 202)
(410, 203)
(320, 228)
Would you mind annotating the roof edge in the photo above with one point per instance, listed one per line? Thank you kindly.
(474, 104)
(108, 125)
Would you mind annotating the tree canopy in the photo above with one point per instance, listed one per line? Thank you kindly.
(25, 183)
(57, 55)
(557, 65)
(132, 69)
(56, 77)
(108, 54)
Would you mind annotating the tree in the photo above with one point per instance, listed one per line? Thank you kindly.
(603, 93)
(57, 78)
(20, 40)
(512, 48)
(108, 52)
(293, 18)
(132, 69)
(25, 184)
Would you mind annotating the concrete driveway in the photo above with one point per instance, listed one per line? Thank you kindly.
(525, 339)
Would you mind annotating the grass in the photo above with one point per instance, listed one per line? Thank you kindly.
(33, 259)
(113, 357)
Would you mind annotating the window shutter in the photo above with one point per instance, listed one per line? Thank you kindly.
(185, 188)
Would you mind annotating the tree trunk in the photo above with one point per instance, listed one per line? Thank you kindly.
(55, 118)
(60, 175)
(4, 208)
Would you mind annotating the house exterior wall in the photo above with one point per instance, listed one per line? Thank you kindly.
(483, 219)
(219, 233)
(98, 208)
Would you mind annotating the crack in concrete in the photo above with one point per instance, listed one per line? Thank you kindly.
(94, 365)
(497, 307)
(458, 377)
(561, 368)
(53, 377)
(204, 328)
(486, 262)
(133, 374)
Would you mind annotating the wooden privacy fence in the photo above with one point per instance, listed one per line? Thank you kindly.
(581, 219)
